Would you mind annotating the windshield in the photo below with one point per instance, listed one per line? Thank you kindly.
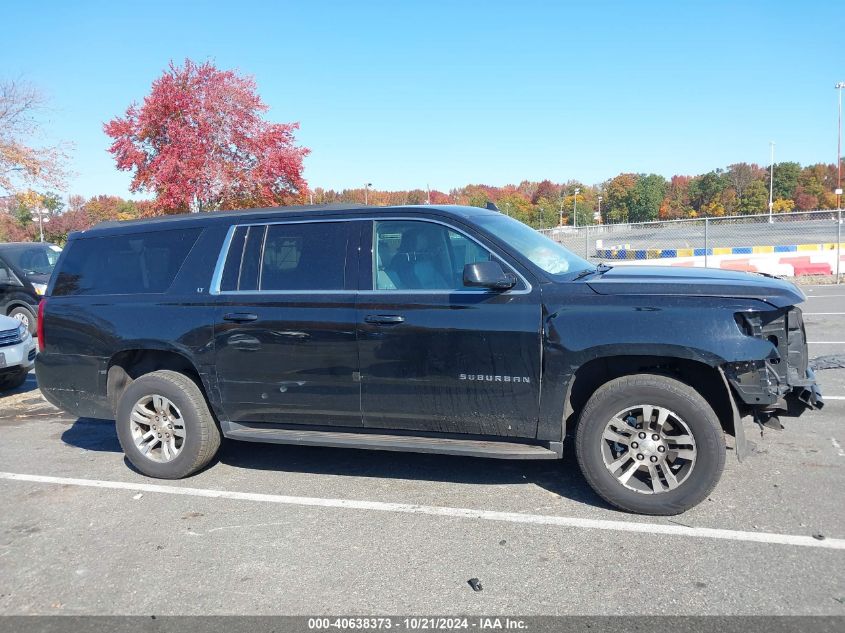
(38, 259)
(534, 246)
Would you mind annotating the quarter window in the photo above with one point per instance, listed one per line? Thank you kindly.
(413, 255)
(124, 264)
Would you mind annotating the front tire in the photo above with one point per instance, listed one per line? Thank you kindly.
(165, 427)
(650, 444)
(25, 316)
(13, 380)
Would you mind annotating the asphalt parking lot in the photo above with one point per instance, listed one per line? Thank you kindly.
(287, 530)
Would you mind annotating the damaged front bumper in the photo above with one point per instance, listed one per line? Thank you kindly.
(759, 387)
(810, 395)
(783, 379)
(780, 384)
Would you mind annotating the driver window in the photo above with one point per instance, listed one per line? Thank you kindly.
(413, 255)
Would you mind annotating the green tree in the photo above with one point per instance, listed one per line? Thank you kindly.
(755, 198)
(707, 189)
(52, 203)
(786, 179)
(645, 198)
(741, 176)
(548, 211)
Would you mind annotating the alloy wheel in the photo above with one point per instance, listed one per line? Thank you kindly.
(158, 429)
(648, 449)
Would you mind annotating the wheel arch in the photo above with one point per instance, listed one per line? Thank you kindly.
(20, 303)
(125, 366)
(703, 377)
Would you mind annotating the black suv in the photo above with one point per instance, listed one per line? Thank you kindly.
(25, 269)
(447, 329)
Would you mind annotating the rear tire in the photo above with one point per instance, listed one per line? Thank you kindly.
(160, 405)
(664, 467)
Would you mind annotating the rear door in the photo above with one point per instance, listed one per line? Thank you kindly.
(285, 339)
(436, 356)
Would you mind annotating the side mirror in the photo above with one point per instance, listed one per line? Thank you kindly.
(488, 275)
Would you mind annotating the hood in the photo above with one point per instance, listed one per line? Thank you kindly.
(8, 323)
(38, 278)
(704, 282)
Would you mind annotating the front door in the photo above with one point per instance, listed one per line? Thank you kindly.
(436, 356)
(285, 336)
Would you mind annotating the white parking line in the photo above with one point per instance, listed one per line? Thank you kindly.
(825, 342)
(824, 313)
(833, 397)
(768, 538)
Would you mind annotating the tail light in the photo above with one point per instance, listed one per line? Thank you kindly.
(40, 328)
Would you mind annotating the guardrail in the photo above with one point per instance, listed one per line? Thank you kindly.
(785, 244)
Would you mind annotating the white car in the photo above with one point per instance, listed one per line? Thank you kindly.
(17, 353)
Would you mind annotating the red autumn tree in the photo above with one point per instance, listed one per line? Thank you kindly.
(198, 142)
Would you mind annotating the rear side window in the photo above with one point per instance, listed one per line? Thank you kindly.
(140, 263)
(241, 270)
(296, 256)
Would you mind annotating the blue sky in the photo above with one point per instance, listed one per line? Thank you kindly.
(404, 94)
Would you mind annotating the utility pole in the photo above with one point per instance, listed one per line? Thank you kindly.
(771, 180)
(839, 87)
(599, 208)
(575, 208)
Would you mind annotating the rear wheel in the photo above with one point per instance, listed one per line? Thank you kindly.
(165, 426)
(25, 316)
(650, 444)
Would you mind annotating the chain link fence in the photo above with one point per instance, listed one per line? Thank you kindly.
(784, 244)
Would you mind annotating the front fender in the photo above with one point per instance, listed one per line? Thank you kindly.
(19, 298)
(586, 328)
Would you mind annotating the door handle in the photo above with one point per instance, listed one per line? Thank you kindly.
(384, 319)
(240, 317)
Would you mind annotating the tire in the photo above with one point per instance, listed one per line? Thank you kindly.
(24, 315)
(692, 467)
(13, 381)
(200, 435)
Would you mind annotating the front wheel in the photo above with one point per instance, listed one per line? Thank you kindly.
(25, 316)
(165, 426)
(650, 444)
(13, 380)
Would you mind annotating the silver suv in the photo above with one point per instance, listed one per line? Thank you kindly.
(17, 353)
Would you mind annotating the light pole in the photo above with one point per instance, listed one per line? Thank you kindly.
(560, 222)
(599, 208)
(366, 192)
(771, 179)
(575, 208)
(40, 212)
(839, 87)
